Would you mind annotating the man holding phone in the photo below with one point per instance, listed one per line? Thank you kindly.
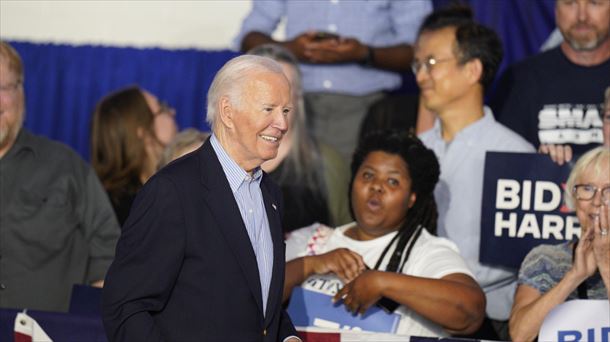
(350, 52)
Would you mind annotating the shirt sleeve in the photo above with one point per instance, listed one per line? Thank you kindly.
(99, 224)
(407, 17)
(263, 17)
(296, 242)
(536, 270)
(436, 258)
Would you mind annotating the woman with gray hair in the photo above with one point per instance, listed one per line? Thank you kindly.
(551, 274)
(186, 141)
(313, 177)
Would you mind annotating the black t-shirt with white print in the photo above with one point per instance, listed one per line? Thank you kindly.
(550, 100)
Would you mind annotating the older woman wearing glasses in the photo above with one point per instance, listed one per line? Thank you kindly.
(130, 129)
(551, 274)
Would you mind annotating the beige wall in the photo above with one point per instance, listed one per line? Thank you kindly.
(205, 24)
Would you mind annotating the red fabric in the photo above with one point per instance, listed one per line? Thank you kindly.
(19, 337)
(319, 337)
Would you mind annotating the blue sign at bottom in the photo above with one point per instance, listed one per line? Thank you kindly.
(313, 309)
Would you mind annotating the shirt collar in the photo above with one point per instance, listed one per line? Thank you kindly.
(235, 174)
(24, 142)
(470, 131)
(473, 130)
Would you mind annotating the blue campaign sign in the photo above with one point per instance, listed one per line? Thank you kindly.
(523, 206)
(313, 309)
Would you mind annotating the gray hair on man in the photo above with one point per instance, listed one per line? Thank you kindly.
(230, 80)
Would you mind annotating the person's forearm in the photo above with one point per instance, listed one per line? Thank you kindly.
(525, 321)
(456, 306)
(394, 58)
(297, 271)
(254, 39)
(604, 271)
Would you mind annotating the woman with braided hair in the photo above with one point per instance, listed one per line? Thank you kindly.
(390, 253)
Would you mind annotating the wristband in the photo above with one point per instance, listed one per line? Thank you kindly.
(369, 59)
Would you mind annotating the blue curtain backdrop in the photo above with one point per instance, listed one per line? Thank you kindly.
(63, 83)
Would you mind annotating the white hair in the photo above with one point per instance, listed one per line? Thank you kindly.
(596, 159)
(303, 164)
(230, 79)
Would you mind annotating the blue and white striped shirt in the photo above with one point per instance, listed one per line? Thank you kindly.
(377, 23)
(247, 192)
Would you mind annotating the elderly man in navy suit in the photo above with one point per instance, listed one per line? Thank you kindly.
(201, 256)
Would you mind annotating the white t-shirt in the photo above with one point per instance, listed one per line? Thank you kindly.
(431, 257)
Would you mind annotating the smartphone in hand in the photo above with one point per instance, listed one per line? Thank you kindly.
(322, 35)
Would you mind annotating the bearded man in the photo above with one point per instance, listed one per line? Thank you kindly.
(555, 98)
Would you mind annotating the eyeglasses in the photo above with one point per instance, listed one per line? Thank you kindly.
(586, 192)
(428, 64)
(164, 108)
(9, 88)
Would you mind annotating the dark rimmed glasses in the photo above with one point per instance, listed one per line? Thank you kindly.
(428, 64)
(164, 108)
(586, 192)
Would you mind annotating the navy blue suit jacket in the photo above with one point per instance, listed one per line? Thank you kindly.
(185, 269)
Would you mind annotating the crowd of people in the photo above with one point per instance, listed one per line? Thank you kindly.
(238, 217)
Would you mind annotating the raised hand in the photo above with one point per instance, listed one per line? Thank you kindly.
(584, 260)
(560, 154)
(601, 243)
(343, 262)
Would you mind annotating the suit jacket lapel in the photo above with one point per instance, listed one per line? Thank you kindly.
(275, 226)
(219, 197)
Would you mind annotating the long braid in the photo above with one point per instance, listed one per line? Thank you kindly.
(422, 214)
(430, 215)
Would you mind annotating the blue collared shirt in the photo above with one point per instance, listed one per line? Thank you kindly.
(378, 23)
(459, 193)
(247, 192)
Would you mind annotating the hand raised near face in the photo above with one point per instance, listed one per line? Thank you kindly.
(343, 262)
(584, 260)
(601, 240)
(362, 292)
